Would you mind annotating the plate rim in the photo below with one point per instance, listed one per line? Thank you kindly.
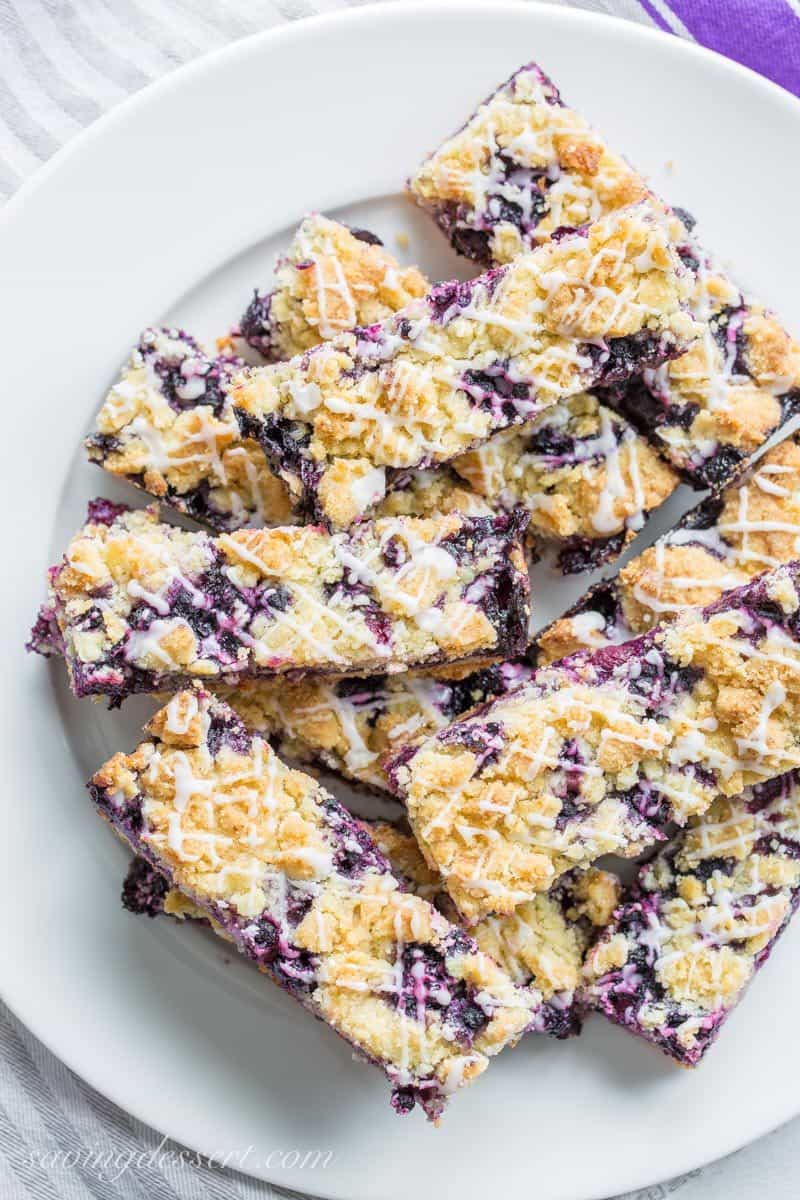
(152, 92)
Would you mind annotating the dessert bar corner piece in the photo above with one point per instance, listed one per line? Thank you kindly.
(168, 427)
(599, 752)
(332, 278)
(703, 917)
(467, 361)
(145, 606)
(302, 890)
(523, 168)
(729, 538)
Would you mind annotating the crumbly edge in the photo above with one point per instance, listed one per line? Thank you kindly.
(351, 729)
(543, 942)
(192, 456)
(524, 120)
(607, 484)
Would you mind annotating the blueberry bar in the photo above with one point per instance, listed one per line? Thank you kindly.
(526, 168)
(331, 279)
(597, 753)
(542, 945)
(727, 539)
(168, 426)
(144, 606)
(466, 361)
(350, 725)
(703, 917)
(587, 478)
(302, 890)
(736, 385)
(522, 168)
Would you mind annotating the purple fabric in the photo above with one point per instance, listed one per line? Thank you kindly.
(761, 34)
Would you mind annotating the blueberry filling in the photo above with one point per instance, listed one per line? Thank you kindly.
(122, 812)
(463, 694)
(365, 235)
(717, 470)
(616, 360)
(426, 984)
(45, 638)
(104, 512)
(581, 554)
(101, 445)
(447, 300)
(188, 377)
(486, 741)
(705, 515)
(254, 325)
(727, 329)
(495, 390)
(226, 729)
(470, 243)
(144, 889)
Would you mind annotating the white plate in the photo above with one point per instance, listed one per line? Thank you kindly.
(162, 209)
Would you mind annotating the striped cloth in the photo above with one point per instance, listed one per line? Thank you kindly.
(62, 64)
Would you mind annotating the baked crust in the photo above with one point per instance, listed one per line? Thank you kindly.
(526, 167)
(587, 478)
(543, 943)
(168, 427)
(523, 166)
(350, 726)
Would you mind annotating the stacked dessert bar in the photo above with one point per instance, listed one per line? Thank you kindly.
(373, 457)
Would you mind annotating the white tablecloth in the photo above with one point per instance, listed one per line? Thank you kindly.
(62, 64)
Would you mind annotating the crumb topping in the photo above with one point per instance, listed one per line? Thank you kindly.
(330, 279)
(523, 167)
(579, 469)
(350, 726)
(752, 526)
(526, 167)
(544, 940)
(717, 404)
